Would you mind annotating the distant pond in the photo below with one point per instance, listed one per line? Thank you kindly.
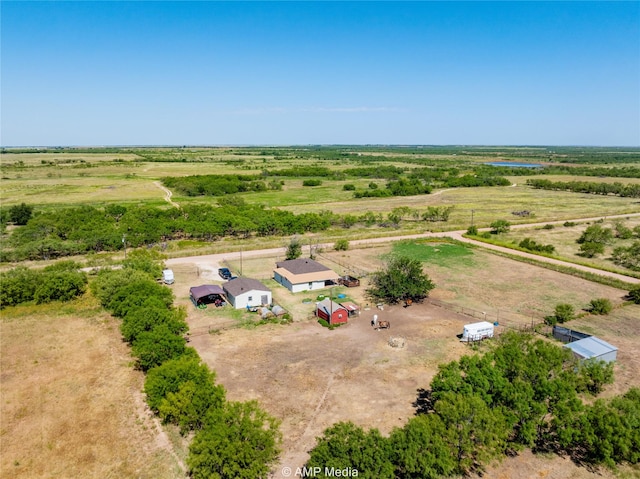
(514, 164)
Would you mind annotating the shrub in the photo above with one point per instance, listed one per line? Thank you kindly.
(634, 295)
(472, 230)
(349, 187)
(590, 249)
(18, 286)
(341, 245)
(312, 182)
(500, 226)
(548, 227)
(568, 224)
(600, 306)
(564, 312)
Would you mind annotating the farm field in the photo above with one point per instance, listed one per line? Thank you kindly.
(62, 390)
(306, 374)
(71, 403)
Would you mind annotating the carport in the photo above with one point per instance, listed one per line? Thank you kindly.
(207, 294)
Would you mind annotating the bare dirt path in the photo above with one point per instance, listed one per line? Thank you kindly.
(167, 194)
(214, 260)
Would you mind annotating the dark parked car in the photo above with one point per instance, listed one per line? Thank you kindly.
(225, 273)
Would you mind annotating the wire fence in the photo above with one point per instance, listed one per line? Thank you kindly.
(507, 319)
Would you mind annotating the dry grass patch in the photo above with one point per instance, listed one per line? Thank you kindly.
(71, 403)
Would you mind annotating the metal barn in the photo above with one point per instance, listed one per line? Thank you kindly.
(593, 348)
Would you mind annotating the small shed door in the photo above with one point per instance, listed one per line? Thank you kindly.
(264, 299)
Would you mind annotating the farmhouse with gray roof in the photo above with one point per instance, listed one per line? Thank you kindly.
(304, 274)
(247, 292)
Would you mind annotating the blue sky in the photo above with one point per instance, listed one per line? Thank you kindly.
(273, 73)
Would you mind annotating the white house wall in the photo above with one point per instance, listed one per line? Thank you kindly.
(242, 300)
(297, 288)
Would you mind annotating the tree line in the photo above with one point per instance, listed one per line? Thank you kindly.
(85, 229)
(61, 281)
(618, 189)
(523, 393)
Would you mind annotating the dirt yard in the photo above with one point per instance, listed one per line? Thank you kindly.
(310, 377)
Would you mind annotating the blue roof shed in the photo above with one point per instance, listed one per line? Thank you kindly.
(593, 348)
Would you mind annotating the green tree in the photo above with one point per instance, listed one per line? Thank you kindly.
(593, 375)
(294, 249)
(134, 294)
(149, 261)
(170, 375)
(238, 441)
(20, 214)
(474, 432)
(189, 406)
(596, 234)
(402, 279)
(153, 312)
(564, 312)
(609, 431)
(105, 285)
(600, 306)
(419, 449)
(60, 286)
(500, 226)
(472, 230)
(154, 347)
(591, 249)
(347, 446)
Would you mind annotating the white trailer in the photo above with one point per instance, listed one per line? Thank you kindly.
(167, 276)
(477, 331)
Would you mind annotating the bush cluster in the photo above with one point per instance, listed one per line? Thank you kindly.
(61, 281)
(531, 245)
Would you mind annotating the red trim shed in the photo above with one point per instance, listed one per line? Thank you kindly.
(331, 311)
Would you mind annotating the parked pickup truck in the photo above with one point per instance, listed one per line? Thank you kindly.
(349, 281)
(225, 273)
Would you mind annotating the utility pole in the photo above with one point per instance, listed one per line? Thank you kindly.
(472, 211)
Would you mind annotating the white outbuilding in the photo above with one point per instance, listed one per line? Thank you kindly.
(247, 292)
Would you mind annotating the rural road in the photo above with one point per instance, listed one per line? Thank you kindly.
(214, 260)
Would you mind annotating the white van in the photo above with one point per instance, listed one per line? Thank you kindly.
(167, 276)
